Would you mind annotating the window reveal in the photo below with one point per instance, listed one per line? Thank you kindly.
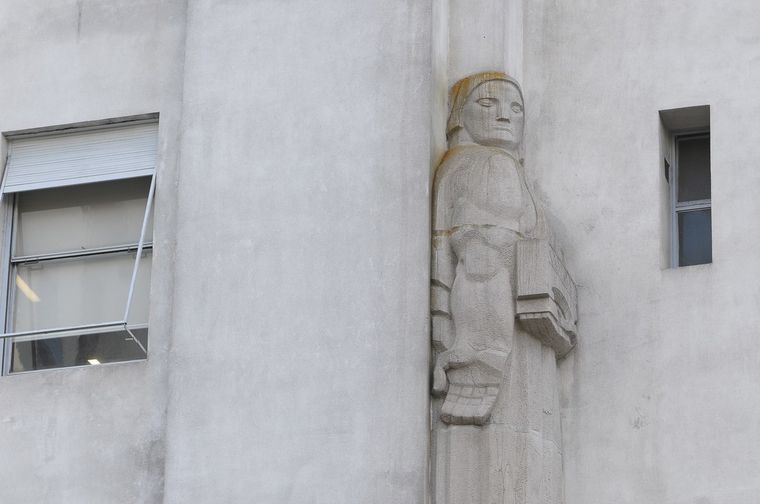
(685, 145)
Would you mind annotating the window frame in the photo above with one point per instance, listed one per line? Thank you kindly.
(676, 207)
(9, 216)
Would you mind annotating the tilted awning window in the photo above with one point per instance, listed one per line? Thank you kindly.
(70, 244)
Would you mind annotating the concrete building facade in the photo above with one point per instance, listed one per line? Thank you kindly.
(289, 349)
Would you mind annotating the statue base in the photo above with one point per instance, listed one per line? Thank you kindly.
(515, 458)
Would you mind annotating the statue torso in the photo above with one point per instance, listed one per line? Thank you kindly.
(483, 186)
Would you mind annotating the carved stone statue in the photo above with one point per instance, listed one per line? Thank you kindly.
(482, 208)
(497, 278)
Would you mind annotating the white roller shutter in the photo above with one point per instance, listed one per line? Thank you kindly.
(80, 158)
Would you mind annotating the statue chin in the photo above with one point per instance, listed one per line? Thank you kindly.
(489, 139)
(507, 145)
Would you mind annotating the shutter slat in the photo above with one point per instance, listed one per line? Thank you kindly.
(80, 158)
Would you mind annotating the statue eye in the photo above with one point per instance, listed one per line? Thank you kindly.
(486, 102)
(516, 107)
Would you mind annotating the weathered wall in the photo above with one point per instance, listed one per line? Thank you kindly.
(299, 364)
(484, 35)
(298, 327)
(92, 434)
(660, 398)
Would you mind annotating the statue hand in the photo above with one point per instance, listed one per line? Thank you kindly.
(440, 382)
(443, 336)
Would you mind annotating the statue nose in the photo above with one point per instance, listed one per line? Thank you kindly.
(501, 114)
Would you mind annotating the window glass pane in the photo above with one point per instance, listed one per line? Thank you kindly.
(138, 311)
(81, 217)
(89, 349)
(85, 290)
(693, 168)
(694, 237)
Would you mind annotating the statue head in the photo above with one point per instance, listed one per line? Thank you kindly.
(487, 109)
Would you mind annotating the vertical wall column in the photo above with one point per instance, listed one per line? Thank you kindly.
(471, 36)
(485, 35)
(513, 454)
(299, 360)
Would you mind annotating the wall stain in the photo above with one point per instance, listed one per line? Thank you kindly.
(79, 19)
(639, 421)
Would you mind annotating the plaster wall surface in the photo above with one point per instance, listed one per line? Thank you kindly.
(484, 35)
(299, 363)
(289, 336)
(660, 396)
(94, 434)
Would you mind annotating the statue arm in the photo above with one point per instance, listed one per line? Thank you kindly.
(533, 221)
(442, 279)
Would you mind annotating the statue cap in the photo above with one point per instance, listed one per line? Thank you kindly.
(462, 89)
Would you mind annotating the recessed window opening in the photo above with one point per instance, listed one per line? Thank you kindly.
(687, 166)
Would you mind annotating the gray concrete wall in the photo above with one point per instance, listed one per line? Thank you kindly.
(95, 434)
(660, 398)
(299, 363)
(289, 335)
(289, 339)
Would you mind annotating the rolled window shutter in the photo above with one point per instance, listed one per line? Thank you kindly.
(79, 158)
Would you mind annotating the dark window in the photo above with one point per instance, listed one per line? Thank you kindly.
(694, 237)
(692, 205)
(693, 168)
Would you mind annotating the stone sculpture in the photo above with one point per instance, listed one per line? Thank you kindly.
(503, 309)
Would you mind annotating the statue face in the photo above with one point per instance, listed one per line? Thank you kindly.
(493, 115)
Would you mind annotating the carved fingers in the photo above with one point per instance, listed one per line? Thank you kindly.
(440, 382)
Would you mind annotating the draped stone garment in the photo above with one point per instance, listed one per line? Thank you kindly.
(497, 431)
(483, 206)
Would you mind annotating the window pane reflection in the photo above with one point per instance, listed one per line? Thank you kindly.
(84, 290)
(694, 237)
(693, 169)
(81, 217)
(88, 349)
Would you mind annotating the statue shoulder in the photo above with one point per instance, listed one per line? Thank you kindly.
(470, 156)
(501, 165)
(500, 157)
